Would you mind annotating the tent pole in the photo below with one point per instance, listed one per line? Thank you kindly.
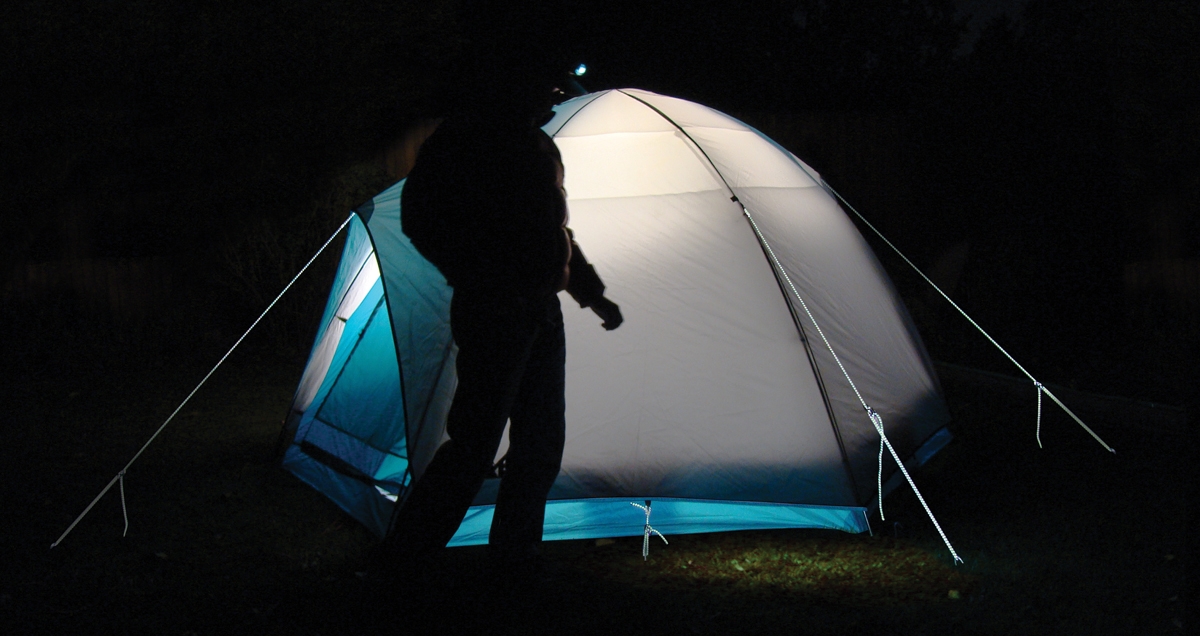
(777, 267)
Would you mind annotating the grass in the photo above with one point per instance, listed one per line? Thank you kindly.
(1063, 540)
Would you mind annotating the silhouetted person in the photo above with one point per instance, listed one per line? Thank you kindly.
(485, 203)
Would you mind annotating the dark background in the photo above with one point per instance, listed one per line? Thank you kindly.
(167, 167)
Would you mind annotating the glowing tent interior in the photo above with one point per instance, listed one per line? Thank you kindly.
(761, 333)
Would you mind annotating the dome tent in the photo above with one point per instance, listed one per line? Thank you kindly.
(718, 399)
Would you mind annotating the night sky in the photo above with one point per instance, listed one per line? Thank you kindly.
(1051, 141)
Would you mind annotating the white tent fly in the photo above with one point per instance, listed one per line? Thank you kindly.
(762, 344)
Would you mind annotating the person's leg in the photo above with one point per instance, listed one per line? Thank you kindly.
(536, 435)
(494, 339)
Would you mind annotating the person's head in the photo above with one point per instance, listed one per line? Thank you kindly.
(516, 57)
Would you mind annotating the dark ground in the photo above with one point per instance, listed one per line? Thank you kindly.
(1068, 539)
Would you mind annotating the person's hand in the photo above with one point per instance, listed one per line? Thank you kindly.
(609, 312)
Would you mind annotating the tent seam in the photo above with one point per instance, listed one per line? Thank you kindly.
(396, 350)
(783, 291)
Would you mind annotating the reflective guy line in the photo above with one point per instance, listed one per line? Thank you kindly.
(647, 530)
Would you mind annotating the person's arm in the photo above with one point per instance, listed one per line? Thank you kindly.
(585, 286)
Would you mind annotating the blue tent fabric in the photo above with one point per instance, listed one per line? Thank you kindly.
(351, 441)
(713, 401)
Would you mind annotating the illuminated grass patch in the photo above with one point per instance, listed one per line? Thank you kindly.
(824, 566)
